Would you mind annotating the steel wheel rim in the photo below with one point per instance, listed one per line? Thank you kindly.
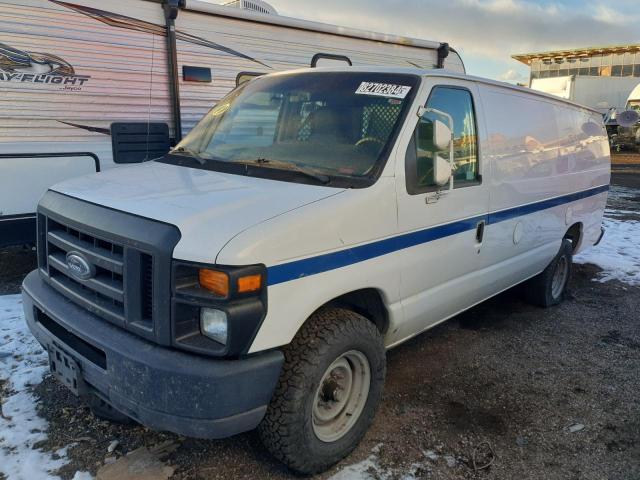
(559, 277)
(341, 396)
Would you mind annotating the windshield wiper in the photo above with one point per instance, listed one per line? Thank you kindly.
(280, 165)
(191, 153)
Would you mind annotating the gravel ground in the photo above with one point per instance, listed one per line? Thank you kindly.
(504, 383)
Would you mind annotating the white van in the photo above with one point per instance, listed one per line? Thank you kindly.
(255, 276)
(89, 85)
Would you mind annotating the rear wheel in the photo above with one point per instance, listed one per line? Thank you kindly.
(550, 287)
(328, 393)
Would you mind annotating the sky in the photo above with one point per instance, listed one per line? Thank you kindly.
(485, 32)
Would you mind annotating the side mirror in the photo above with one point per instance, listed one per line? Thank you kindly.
(441, 135)
(441, 171)
(628, 118)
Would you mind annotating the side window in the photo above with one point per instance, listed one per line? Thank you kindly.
(458, 103)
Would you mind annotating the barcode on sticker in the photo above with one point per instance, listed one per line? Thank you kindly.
(383, 90)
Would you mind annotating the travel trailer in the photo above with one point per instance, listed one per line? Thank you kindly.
(88, 85)
(256, 274)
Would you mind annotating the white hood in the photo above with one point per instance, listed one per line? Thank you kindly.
(209, 208)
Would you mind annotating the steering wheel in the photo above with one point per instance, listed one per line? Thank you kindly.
(365, 140)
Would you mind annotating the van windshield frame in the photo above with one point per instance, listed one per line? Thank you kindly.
(328, 128)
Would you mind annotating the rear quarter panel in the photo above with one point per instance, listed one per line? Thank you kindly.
(540, 149)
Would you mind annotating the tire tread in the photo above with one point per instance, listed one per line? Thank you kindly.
(280, 430)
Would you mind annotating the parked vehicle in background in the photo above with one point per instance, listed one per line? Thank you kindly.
(628, 132)
(255, 275)
(88, 85)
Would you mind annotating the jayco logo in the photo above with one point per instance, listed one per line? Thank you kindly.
(38, 68)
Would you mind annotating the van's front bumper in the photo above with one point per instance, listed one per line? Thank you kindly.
(161, 388)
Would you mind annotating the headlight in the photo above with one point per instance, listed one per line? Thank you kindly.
(217, 309)
(222, 284)
(214, 324)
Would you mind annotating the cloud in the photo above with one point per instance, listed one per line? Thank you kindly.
(513, 76)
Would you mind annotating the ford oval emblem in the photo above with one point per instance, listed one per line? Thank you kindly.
(79, 266)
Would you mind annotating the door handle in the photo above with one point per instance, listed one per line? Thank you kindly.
(480, 231)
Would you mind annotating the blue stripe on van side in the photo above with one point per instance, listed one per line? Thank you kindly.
(323, 263)
(510, 213)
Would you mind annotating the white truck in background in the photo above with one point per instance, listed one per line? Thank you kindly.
(87, 85)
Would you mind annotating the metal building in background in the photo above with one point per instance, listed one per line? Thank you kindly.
(599, 77)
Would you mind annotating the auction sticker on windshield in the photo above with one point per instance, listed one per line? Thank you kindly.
(383, 90)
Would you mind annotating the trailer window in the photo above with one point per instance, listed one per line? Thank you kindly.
(457, 102)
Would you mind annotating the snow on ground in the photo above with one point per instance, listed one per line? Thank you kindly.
(23, 363)
(370, 468)
(619, 252)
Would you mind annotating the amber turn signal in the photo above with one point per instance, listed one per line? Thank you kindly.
(250, 283)
(214, 281)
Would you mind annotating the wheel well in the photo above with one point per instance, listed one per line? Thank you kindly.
(366, 302)
(575, 235)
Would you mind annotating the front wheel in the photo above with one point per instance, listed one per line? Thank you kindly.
(550, 287)
(329, 390)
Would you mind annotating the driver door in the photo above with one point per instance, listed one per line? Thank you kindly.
(443, 228)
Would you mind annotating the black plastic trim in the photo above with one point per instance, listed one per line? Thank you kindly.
(54, 155)
(17, 230)
(138, 142)
(247, 74)
(91, 353)
(329, 56)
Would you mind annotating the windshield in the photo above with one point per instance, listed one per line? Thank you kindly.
(327, 124)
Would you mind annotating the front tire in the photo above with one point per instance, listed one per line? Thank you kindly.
(550, 287)
(329, 390)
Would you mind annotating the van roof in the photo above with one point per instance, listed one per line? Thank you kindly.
(443, 73)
